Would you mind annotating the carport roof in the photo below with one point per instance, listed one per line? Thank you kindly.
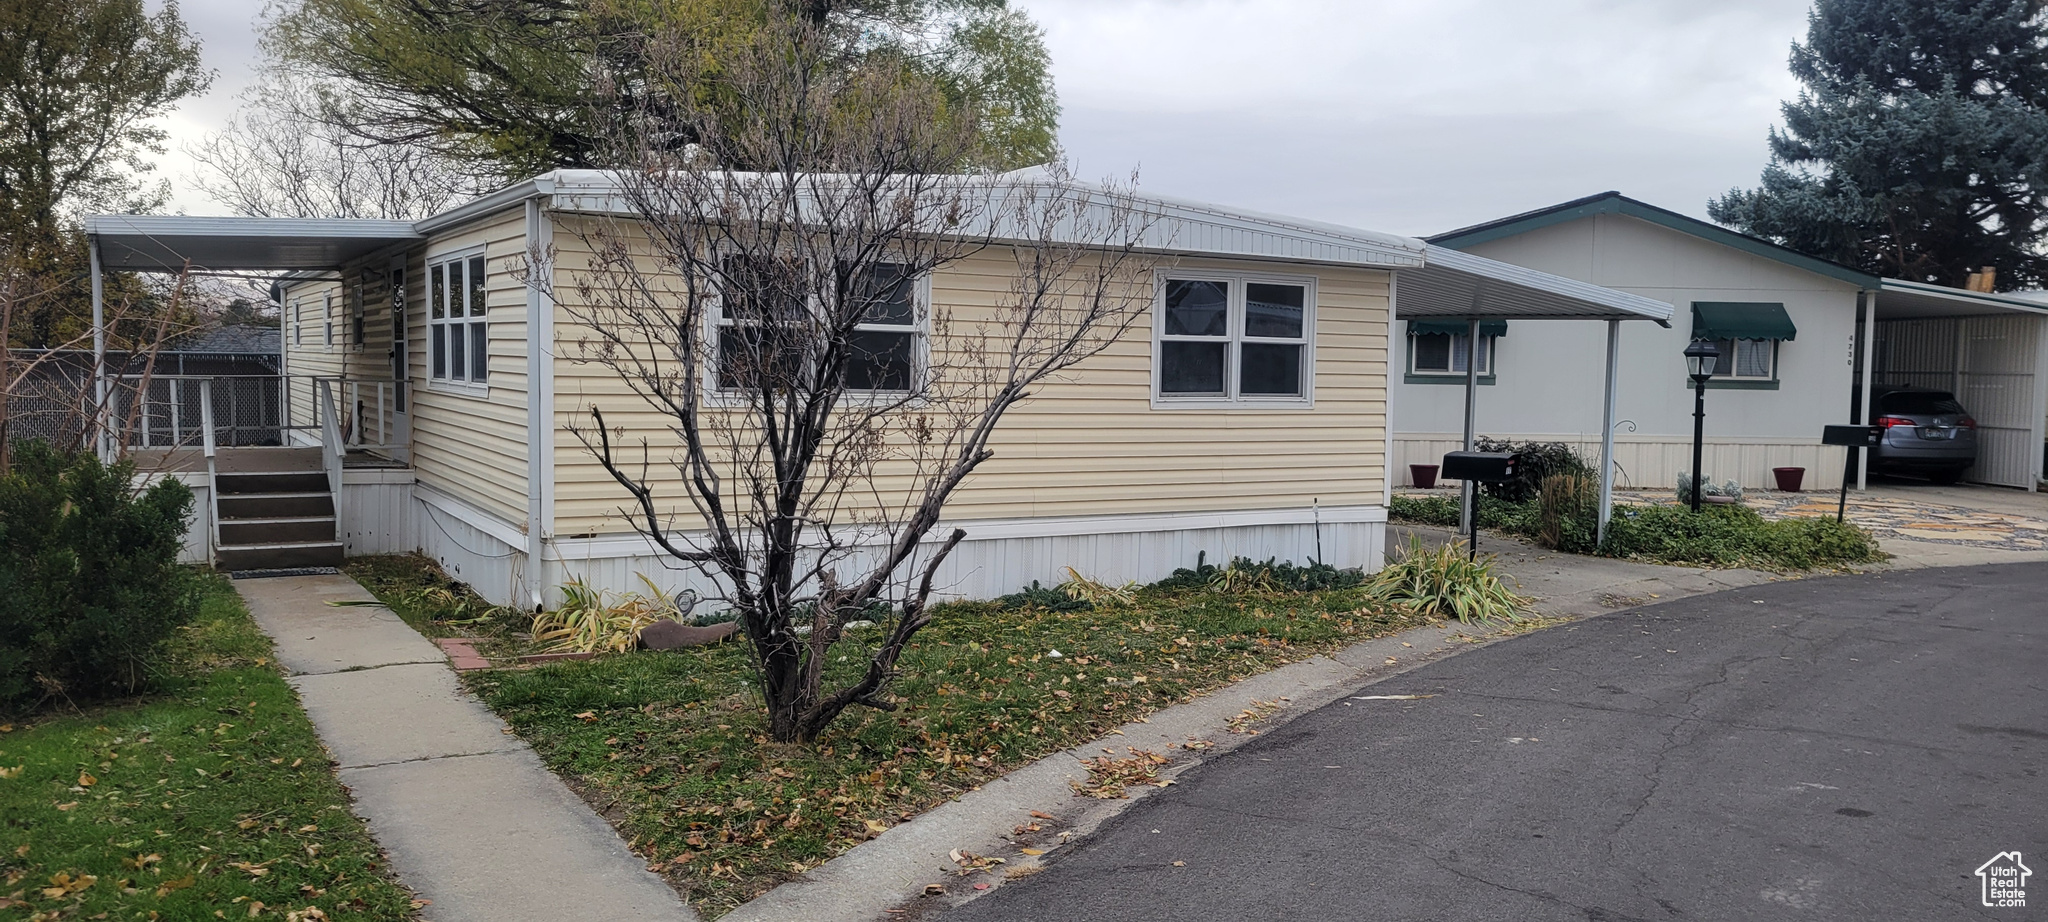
(1899, 299)
(167, 243)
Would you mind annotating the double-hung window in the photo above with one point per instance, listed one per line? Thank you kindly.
(327, 316)
(298, 321)
(1233, 339)
(458, 335)
(764, 321)
(1443, 348)
(1747, 359)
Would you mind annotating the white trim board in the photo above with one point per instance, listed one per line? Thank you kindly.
(497, 528)
(572, 549)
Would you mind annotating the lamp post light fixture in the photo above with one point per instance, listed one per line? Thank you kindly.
(1700, 358)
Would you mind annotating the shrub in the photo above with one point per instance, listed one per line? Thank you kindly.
(1441, 583)
(90, 585)
(1537, 460)
(1726, 536)
(1425, 510)
(1568, 513)
(1040, 597)
(1728, 488)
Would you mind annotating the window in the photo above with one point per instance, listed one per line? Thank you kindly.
(1233, 339)
(327, 316)
(1747, 359)
(764, 305)
(458, 337)
(298, 321)
(1447, 353)
(355, 308)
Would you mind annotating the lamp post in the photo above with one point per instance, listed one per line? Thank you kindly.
(1700, 358)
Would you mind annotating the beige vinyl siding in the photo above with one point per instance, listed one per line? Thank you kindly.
(1091, 444)
(473, 446)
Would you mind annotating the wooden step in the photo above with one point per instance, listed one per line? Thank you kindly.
(275, 505)
(280, 555)
(272, 482)
(283, 529)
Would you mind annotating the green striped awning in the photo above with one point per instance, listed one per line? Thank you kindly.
(1456, 327)
(1741, 320)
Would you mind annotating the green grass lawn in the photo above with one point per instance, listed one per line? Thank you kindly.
(210, 798)
(670, 746)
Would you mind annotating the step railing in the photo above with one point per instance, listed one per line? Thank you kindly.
(333, 450)
(164, 412)
(211, 449)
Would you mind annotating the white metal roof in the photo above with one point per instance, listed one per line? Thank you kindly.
(147, 243)
(1900, 300)
(1433, 281)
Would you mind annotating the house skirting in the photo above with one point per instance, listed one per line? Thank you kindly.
(997, 558)
(1653, 462)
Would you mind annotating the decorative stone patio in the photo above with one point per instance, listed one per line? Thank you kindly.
(1890, 515)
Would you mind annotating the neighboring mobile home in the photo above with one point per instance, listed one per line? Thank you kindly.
(456, 381)
(1791, 329)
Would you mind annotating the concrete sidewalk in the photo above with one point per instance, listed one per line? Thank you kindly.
(470, 817)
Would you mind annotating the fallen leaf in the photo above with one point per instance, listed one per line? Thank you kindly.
(934, 889)
(170, 886)
(1034, 852)
(1042, 816)
(875, 827)
(86, 780)
(586, 716)
(67, 806)
(11, 772)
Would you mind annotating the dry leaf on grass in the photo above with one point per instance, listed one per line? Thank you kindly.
(1108, 777)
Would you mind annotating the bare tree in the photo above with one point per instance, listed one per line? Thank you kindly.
(286, 156)
(817, 414)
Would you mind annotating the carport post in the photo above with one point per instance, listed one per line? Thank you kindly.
(101, 444)
(1607, 434)
(1869, 344)
(1467, 514)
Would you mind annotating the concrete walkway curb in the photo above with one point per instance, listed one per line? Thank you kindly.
(891, 871)
(470, 817)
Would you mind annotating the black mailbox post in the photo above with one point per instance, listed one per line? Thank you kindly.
(1856, 438)
(1478, 467)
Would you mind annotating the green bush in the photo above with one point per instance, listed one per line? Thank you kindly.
(1441, 583)
(1536, 462)
(1726, 536)
(1425, 510)
(90, 585)
(1568, 513)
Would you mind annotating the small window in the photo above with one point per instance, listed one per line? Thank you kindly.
(1232, 339)
(1747, 359)
(884, 346)
(1447, 354)
(458, 333)
(327, 314)
(298, 321)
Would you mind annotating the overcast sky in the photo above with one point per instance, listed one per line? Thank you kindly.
(1412, 117)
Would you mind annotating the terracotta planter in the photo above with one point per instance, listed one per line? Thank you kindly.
(1423, 475)
(1789, 478)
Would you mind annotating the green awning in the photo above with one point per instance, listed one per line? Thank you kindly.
(1741, 320)
(1456, 327)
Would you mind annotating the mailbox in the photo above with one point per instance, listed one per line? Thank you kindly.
(1852, 436)
(1482, 466)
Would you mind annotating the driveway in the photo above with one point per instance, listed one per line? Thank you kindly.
(1842, 748)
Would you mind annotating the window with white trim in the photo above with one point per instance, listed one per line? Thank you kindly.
(1747, 359)
(760, 326)
(1221, 338)
(458, 335)
(327, 315)
(1447, 354)
(298, 321)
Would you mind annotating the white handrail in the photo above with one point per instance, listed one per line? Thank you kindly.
(332, 448)
(212, 472)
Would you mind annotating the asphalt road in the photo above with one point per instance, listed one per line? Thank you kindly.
(1844, 748)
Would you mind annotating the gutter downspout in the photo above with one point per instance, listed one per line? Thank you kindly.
(540, 393)
(1387, 460)
(1466, 492)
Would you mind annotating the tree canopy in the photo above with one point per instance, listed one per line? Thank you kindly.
(510, 88)
(1919, 148)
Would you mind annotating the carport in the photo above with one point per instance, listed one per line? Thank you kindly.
(1990, 350)
(1453, 286)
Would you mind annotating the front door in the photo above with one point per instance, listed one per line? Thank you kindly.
(401, 357)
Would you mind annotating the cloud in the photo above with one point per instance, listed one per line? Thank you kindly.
(1411, 116)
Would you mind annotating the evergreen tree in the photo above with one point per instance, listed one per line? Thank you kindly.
(1919, 148)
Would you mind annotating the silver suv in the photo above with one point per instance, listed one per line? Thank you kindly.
(1926, 432)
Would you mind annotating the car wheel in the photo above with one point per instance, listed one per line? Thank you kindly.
(1946, 477)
